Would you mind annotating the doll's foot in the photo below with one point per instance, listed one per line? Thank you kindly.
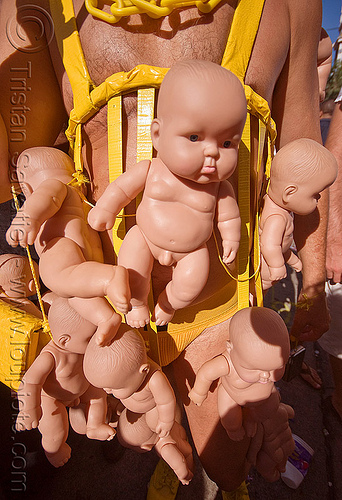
(61, 457)
(161, 315)
(118, 290)
(103, 432)
(138, 317)
(107, 330)
(185, 479)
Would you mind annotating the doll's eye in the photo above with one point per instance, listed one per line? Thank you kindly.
(226, 144)
(193, 138)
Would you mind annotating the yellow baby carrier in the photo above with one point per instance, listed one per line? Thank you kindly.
(257, 143)
(259, 135)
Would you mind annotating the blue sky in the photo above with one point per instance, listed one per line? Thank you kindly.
(331, 17)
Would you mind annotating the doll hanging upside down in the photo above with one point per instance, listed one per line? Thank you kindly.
(248, 402)
(53, 218)
(200, 117)
(149, 417)
(56, 381)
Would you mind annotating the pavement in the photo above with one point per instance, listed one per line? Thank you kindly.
(99, 471)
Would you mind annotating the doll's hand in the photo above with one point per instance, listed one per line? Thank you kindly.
(163, 428)
(230, 249)
(196, 398)
(28, 419)
(23, 231)
(277, 273)
(101, 219)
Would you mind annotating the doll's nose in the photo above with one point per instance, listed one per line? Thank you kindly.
(211, 149)
(265, 375)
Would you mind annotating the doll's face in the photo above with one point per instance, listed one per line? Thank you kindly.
(259, 366)
(301, 196)
(124, 384)
(200, 142)
(304, 199)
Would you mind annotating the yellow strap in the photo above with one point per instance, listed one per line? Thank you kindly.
(45, 324)
(70, 48)
(145, 115)
(115, 166)
(242, 36)
(257, 256)
(244, 206)
(141, 76)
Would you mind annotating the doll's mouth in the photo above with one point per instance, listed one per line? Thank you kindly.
(208, 169)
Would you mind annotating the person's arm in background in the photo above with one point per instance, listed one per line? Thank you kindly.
(30, 100)
(296, 112)
(324, 61)
(334, 240)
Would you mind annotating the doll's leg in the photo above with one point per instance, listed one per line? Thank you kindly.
(99, 312)
(174, 456)
(97, 428)
(231, 415)
(293, 261)
(54, 426)
(134, 433)
(64, 270)
(189, 277)
(77, 418)
(136, 256)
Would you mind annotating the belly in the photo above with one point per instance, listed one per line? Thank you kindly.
(174, 226)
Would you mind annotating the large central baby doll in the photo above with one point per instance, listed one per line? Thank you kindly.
(200, 117)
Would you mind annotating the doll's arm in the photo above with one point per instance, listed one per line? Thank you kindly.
(228, 221)
(117, 195)
(165, 402)
(29, 393)
(40, 206)
(271, 240)
(209, 371)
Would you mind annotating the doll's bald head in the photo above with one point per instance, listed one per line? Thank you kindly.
(125, 354)
(302, 159)
(45, 159)
(16, 276)
(186, 80)
(259, 329)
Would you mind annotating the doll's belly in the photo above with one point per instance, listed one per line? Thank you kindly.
(250, 395)
(173, 226)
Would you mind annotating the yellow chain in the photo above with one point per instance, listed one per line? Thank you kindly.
(154, 9)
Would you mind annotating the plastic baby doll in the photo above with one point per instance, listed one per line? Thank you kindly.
(257, 351)
(148, 419)
(53, 218)
(200, 117)
(17, 283)
(55, 381)
(300, 171)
